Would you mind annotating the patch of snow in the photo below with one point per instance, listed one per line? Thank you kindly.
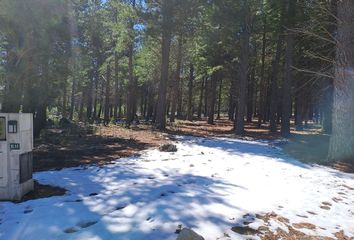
(208, 185)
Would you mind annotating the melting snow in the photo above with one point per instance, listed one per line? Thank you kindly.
(208, 185)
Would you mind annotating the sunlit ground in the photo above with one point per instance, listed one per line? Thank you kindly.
(209, 185)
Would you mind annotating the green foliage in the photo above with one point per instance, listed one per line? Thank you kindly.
(54, 53)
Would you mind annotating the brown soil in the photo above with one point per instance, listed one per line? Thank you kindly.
(42, 191)
(61, 148)
(65, 148)
(304, 225)
(293, 233)
(245, 230)
(221, 128)
(344, 167)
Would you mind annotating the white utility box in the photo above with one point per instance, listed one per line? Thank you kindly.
(16, 163)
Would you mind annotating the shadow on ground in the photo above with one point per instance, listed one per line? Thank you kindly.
(75, 151)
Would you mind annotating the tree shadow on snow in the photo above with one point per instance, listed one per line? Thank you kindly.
(123, 201)
(244, 148)
(178, 199)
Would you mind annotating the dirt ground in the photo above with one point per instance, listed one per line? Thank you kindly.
(72, 147)
(293, 233)
(42, 191)
(76, 146)
(61, 148)
(221, 128)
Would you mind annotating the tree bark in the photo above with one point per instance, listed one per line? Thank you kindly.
(107, 95)
(250, 96)
(212, 95)
(299, 111)
(13, 89)
(40, 117)
(82, 102)
(273, 101)
(243, 69)
(89, 95)
(64, 103)
(176, 82)
(232, 101)
(190, 93)
(166, 42)
(342, 141)
(287, 85)
(116, 86)
(201, 97)
(150, 105)
(73, 92)
(206, 93)
(219, 99)
(131, 93)
(262, 89)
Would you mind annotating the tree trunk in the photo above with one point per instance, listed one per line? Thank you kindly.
(232, 101)
(180, 98)
(40, 119)
(190, 93)
(299, 110)
(64, 104)
(82, 102)
(131, 94)
(243, 69)
(108, 94)
(250, 96)
(150, 107)
(29, 101)
(201, 97)
(89, 95)
(287, 85)
(96, 91)
(206, 93)
(73, 92)
(342, 141)
(166, 42)
(13, 90)
(176, 82)
(146, 89)
(116, 86)
(212, 95)
(219, 99)
(273, 101)
(262, 89)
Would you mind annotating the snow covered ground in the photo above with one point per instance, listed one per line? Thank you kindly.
(208, 185)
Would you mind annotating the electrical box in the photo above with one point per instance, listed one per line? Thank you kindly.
(16, 163)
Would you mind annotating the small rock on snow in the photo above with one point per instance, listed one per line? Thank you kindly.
(168, 148)
(188, 234)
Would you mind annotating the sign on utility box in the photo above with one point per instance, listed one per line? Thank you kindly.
(16, 164)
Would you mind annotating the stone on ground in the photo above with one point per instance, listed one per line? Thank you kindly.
(188, 234)
(168, 148)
